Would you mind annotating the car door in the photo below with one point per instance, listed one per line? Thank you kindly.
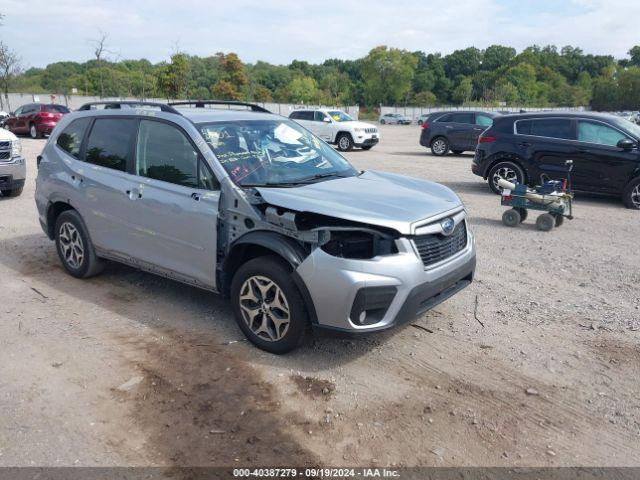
(547, 143)
(322, 128)
(599, 164)
(12, 121)
(459, 130)
(107, 187)
(174, 205)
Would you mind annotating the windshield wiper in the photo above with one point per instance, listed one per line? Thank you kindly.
(320, 176)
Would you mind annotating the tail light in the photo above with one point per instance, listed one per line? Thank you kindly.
(486, 139)
(425, 125)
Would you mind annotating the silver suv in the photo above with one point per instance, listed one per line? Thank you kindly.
(253, 206)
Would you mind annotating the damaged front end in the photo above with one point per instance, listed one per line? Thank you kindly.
(353, 276)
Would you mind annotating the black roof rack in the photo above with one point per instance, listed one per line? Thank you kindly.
(202, 103)
(117, 104)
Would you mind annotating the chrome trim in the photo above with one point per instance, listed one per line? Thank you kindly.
(428, 221)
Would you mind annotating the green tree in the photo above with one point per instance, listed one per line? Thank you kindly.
(387, 74)
(462, 92)
(497, 56)
(173, 77)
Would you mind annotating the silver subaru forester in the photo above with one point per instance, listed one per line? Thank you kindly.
(251, 205)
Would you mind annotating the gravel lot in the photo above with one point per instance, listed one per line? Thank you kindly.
(551, 379)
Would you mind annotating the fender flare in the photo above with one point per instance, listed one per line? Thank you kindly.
(286, 248)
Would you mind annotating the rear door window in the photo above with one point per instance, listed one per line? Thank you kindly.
(462, 118)
(445, 118)
(70, 140)
(596, 132)
(483, 120)
(55, 109)
(548, 127)
(110, 142)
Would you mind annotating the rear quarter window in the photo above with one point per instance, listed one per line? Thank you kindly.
(70, 140)
(547, 127)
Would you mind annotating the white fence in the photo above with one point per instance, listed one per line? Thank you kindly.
(74, 102)
(415, 112)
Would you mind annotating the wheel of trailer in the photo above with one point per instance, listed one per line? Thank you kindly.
(524, 213)
(511, 218)
(559, 220)
(545, 222)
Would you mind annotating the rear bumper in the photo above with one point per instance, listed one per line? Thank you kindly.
(45, 127)
(425, 138)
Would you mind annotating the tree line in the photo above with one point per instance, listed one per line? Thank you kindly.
(498, 75)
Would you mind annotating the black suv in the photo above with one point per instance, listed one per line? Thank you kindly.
(533, 147)
(455, 131)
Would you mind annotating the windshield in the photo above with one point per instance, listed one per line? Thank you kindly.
(273, 153)
(338, 116)
(630, 127)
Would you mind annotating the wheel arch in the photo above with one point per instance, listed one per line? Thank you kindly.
(261, 243)
(54, 209)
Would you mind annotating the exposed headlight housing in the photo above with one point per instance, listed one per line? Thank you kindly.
(16, 148)
(358, 244)
(359, 130)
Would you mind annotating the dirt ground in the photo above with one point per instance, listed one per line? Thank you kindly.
(132, 369)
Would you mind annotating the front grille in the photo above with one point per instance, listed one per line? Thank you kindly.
(5, 155)
(435, 247)
(371, 130)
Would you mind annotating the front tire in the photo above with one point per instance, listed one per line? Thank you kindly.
(509, 171)
(268, 306)
(13, 192)
(631, 195)
(345, 142)
(440, 146)
(511, 218)
(74, 246)
(545, 222)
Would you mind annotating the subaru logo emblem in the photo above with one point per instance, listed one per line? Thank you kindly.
(447, 226)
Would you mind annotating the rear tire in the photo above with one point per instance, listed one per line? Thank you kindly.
(508, 170)
(382, 122)
(559, 220)
(74, 246)
(524, 213)
(33, 131)
(439, 146)
(419, 122)
(511, 218)
(345, 142)
(631, 194)
(13, 192)
(545, 222)
(263, 296)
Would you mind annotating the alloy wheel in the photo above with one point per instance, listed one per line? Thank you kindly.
(506, 173)
(344, 143)
(264, 308)
(635, 196)
(439, 147)
(71, 245)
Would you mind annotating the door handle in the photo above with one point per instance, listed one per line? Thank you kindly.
(524, 144)
(134, 194)
(583, 150)
(195, 196)
(478, 129)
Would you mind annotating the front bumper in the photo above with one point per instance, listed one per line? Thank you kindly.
(366, 142)
(13, 173)
(333, 284)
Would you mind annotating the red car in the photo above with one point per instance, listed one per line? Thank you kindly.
(35, 119)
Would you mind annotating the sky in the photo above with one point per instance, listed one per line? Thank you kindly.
(278, 31)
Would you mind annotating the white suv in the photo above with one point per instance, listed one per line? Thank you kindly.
(338, 128)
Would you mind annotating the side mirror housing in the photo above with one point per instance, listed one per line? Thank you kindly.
(626, 144)
(326, 119)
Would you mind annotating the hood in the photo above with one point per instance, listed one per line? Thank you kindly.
(375, 198)
(6, 135)
(358, 124)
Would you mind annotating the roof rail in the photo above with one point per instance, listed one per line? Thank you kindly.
(202, 103)
(117, 104)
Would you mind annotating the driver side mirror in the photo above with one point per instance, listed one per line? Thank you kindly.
(327, 119)
(626, 144)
